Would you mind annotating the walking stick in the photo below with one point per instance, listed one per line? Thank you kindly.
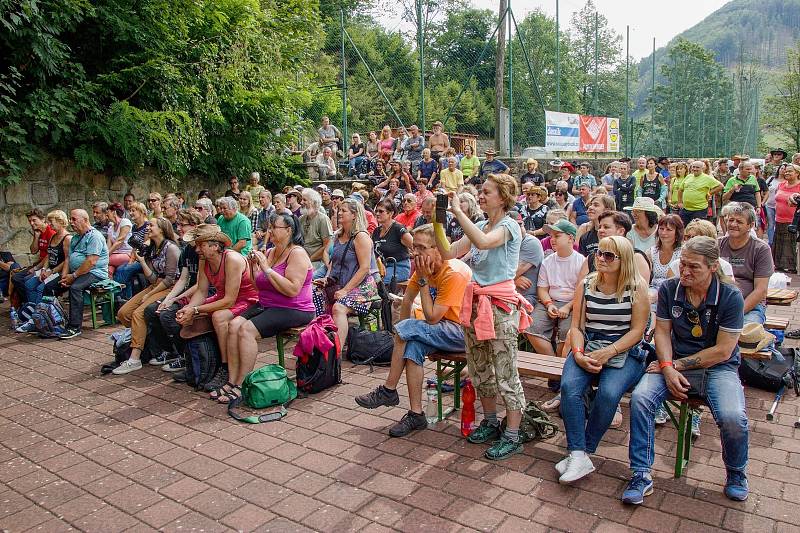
(778, 397)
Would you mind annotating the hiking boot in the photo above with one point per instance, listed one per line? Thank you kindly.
(577, 467)
(70, 333)
(175, 366)
(410, 422)
(639, 486)
(736, 487)
(661, 415)
(503, 449)
(219, 379)
(696, 416)
(164, 358)
(128, 366)
(484, 433)
(380, 397)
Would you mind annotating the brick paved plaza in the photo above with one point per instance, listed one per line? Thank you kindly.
(103, 453)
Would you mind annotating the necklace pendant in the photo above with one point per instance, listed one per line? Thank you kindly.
(697, 331)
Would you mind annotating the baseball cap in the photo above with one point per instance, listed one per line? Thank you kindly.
(337, 193)
(563, 226)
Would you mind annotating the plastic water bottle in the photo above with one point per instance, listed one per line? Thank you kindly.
(468, 409)
(14, 318)
(431, 406)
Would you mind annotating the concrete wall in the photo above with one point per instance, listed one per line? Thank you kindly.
(58, 184)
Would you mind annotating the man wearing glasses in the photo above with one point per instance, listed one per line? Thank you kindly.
(434, 327)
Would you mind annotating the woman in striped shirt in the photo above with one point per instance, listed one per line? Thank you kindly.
(610, 315)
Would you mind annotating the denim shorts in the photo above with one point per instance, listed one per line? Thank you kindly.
(423, 338)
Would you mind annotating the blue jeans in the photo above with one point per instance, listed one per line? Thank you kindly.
(725, 397)
(757, 315)
(583, 434)
(423, 338)
(124, 274)
(355, 163)
(770, 223)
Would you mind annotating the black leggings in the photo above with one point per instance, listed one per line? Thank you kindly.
(274, 320)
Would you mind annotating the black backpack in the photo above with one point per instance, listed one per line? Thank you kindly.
(203, 359)
(319, 371)
(767, 374)
(365, 347)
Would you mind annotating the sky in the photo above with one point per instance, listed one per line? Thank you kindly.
(647, 18)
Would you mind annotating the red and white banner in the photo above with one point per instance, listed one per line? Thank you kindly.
(592, 134)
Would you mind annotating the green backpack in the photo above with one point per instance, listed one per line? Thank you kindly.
(265, 387)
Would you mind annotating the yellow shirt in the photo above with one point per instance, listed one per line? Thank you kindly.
(695, 191)
(451, 181)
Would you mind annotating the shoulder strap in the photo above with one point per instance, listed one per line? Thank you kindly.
(257, 419)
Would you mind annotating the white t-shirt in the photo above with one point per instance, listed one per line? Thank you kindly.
(726, 267)
(560, 274)
(113, 233)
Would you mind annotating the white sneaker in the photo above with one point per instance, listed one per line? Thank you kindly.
(561, 466)
(577, 467)
(661, 415)
(128, 366)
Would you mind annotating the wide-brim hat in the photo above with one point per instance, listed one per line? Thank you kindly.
(563, 226)
(754, 338)
(643, 203)
(294, 192)
(569, 166)
(779, 151)
(490, 152)
(356, 186)
(206, 232)
(556, 163)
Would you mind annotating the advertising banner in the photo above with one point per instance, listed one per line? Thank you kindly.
(570, 132)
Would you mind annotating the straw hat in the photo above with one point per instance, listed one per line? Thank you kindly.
(643, 203)
(556, 163)
(206, 232)
(754, 338)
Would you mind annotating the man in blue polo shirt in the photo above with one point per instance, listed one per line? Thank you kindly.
(699, 319)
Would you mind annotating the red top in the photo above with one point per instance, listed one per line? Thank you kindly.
(248, 294)
(44, 241)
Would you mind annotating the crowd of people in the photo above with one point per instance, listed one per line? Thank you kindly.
(670, 260)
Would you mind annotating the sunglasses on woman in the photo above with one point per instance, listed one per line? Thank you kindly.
(608, 257)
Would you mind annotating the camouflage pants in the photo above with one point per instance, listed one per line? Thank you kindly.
(492, 363)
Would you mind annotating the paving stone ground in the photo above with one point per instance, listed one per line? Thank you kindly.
(81, 451)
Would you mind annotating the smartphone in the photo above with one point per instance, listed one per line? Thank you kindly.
(441, 208)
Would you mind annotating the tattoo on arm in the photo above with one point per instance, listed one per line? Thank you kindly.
(688, 363)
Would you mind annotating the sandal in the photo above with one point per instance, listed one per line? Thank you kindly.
(793, 334)
(216, 394)
(230, 396)
(552, 404)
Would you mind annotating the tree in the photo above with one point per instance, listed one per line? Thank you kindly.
(783, 109)
(587, 24)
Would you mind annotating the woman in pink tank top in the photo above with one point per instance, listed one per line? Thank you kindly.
(283, 278)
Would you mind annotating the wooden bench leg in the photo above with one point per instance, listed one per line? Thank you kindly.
(684, 426)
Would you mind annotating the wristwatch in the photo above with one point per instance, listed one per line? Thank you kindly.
(422, 282)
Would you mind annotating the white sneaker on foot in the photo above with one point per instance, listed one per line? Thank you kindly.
(577, 467)
(128, 366)
(561, 466)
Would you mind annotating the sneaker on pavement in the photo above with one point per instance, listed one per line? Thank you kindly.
(380, 397)
(27, 327)
(661, 415)
(219, 379)
(736, 487)
(638, 487)
(180, 377)
(410, 422)
(128, 366)
(561, 466)
(175, 366)
(484, 433)
(70, 333)
(696, 416)
(503, 449)
(792, 334)
(163, 358)
(577, 467)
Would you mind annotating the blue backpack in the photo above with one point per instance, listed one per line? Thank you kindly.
(49, 318)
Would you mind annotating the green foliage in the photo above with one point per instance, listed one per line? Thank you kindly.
(185, 86)
(783, 109)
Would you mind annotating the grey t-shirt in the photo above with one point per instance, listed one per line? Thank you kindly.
(531, 251)
(753, 260)
(415, 153)
(328, 132)
(315, 231)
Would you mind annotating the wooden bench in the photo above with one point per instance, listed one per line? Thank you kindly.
(449, 365)
(781, 296)
(776, 322)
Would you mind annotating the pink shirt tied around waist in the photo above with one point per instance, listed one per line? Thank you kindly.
(503, 295)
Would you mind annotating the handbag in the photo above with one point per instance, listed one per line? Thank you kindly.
(268, 386)
(332, 286)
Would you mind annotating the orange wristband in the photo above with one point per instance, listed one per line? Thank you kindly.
(663, 364)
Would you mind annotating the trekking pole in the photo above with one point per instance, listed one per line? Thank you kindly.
(778, 396)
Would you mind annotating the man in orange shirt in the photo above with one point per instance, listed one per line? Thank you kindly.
(440, 285)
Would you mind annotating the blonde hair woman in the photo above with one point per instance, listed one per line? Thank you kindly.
(57, 255)
(610, 315)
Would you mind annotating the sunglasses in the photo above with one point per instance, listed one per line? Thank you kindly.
(409, 201)
(152, 199)
(608, 257)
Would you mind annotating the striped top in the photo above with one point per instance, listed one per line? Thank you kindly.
(606, 315)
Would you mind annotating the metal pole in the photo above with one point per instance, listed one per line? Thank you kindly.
(627, 85)
(596, 58)
(421, 48)
(510, 86)
(701, 144)
(683, 144)
(344, 81)
(653, 98)
(558, 63)
(716, 130)
(499, 74)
